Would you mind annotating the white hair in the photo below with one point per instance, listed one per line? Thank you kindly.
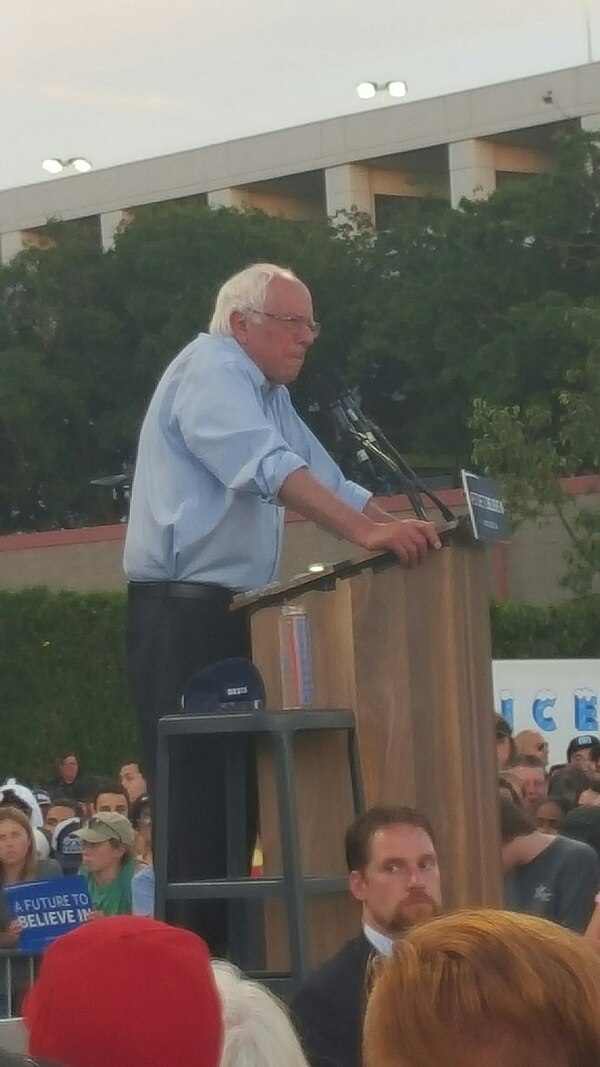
(257, 1030)
(245, 291)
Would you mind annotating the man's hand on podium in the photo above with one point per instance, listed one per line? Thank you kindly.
(373, 529)
(409, 539)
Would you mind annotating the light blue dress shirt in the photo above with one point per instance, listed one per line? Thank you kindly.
(216, 445)
(143, 891)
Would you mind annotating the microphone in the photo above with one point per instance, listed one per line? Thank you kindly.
(345, 397)
(345, 424)
(344, 421)
(351, 422)
(351, 419)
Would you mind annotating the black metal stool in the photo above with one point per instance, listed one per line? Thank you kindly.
(293, 886)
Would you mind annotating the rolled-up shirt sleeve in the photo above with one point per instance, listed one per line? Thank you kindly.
(224, 426)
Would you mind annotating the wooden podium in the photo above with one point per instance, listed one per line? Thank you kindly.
(408, 650)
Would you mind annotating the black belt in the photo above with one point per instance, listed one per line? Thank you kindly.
(183, 590)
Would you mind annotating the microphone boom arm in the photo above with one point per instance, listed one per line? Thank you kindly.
(370, 445)
(372, 441)
(410, 474)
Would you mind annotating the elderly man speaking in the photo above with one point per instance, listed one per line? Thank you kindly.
(221, 453)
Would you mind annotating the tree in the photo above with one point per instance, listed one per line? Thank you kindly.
(531, 447)
(55, 329)
(84, 337)
(438, 308)
(448, 286)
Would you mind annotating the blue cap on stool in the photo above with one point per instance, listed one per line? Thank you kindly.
(226, 684)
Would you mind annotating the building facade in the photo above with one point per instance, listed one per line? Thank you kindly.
(451, 147)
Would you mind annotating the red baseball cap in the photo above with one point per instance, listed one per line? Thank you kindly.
(125, 990)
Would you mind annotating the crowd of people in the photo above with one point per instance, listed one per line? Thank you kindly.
(550, 825)
(415, 987)
(221, 453)
(98, 827)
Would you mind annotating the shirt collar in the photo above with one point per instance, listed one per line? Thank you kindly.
(384, 945)
(266, 387)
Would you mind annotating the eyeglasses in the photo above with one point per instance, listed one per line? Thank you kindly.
(294, 321)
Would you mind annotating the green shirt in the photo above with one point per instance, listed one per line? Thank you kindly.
(115, 897)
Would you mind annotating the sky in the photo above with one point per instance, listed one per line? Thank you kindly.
(122, 80)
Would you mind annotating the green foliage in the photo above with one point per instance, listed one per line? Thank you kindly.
(497, 300)
(570, 630)
(58, 335)
(530, 447)
(61, 682)
(583, 560)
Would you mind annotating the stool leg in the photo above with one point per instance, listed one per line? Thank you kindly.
(235, 800)
(161, 825)
(290, 850)
(235, 822)
(358, 796)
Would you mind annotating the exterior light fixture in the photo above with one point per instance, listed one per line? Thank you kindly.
(396, 88)
(53, 166)
(367, 90)
(56, 166)
(316, 568)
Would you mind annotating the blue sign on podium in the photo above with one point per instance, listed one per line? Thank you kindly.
(48, 909)
(489, 521)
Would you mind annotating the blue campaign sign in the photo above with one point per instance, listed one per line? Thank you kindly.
(48, 909)
(489, 521)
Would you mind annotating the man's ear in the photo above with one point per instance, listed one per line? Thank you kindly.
(238, 323)
(356, 885)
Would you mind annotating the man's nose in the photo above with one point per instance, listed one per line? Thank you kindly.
(415, 877)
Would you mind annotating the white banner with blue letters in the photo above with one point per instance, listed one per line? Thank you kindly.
(558, 697)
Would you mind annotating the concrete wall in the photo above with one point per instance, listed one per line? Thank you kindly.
(535, 561)
(87, 560)
(527, 570)
(94, 563)
(90, 559)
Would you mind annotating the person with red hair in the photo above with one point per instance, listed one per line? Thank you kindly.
(489, 988)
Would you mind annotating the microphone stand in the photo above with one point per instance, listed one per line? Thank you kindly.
(346, 427)
(373, 440)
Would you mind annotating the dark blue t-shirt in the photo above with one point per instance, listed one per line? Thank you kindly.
(560, 884)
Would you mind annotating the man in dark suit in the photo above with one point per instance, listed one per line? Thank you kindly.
(394, 874)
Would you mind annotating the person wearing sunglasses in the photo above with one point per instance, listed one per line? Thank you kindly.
(107, 862)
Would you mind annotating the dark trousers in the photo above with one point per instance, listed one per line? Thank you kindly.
(169, 639)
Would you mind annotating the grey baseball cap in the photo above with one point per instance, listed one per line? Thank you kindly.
(107, 826)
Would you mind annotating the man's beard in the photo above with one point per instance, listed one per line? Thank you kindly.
(415, 908)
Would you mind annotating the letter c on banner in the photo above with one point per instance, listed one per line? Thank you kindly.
(545, 722)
